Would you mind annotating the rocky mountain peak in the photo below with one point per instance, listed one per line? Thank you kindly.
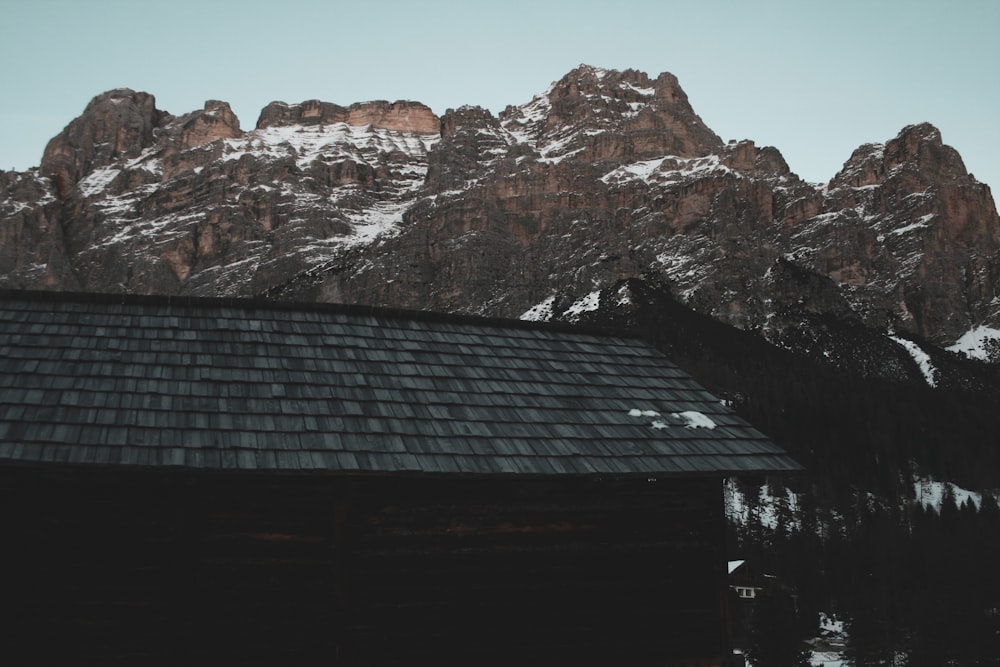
(920, 147)
(215, 121)
(608, 115)
(115, 124)
(399, 116)
(917, 154)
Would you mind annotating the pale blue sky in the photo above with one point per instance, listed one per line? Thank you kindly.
(814, 79)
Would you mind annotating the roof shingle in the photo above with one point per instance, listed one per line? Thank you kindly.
(128, 380)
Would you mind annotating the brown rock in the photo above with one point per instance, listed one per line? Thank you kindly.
(215, 121)
(119, 123)
(311, 112)
(399, 116)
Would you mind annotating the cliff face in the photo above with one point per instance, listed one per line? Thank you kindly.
(545, 211)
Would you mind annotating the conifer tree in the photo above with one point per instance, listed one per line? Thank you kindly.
(775, 633)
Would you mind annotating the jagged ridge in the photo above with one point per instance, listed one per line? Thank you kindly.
(605, 176)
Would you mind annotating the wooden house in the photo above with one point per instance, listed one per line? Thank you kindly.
(199, 479)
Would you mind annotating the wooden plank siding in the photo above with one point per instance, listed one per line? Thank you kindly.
(153, 566)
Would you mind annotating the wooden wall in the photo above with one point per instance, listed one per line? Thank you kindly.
(155, 567)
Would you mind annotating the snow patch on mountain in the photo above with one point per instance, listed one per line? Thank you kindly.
(919, 224)
(931, 494)
(329, 142)
(665, 170)
(922, 359)
(585, 304)
(540, 312)
(646, 92)
(977, 343)
(382, 219)
(525, 123)
(97, 181)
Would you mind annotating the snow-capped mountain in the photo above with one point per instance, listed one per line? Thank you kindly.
(548, 210)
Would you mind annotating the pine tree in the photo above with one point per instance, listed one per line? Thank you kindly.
(775, 633)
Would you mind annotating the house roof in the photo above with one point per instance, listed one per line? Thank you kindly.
(229, 384)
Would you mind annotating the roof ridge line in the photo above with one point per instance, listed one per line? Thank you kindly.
(247, 303)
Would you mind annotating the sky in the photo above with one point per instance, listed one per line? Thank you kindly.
(816, 79)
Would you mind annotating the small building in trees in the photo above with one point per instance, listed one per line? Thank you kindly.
(192, 479)
(742, 581)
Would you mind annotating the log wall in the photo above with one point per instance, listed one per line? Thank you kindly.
(156, 567)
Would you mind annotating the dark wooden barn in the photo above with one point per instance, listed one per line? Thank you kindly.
(193, 480)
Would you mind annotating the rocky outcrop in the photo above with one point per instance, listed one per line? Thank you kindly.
(402, 116)
(597, 115)
(911, 235)
(215, 121)
(547, 209)
(116, 125)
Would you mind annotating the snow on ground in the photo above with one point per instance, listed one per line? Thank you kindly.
(831, 625)
(919, 356)
(826, 650)
(818, 659)
(931, 494)
(827, 659)
(975, 342)
(768, 508)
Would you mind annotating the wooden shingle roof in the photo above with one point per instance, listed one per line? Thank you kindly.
(228, 384)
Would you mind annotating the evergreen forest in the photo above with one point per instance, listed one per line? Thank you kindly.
(915, 584)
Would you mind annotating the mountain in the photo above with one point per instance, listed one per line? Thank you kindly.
(552, 209)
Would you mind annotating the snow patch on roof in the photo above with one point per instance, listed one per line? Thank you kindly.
(695, 419)
(919, 356)
(686, 419)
